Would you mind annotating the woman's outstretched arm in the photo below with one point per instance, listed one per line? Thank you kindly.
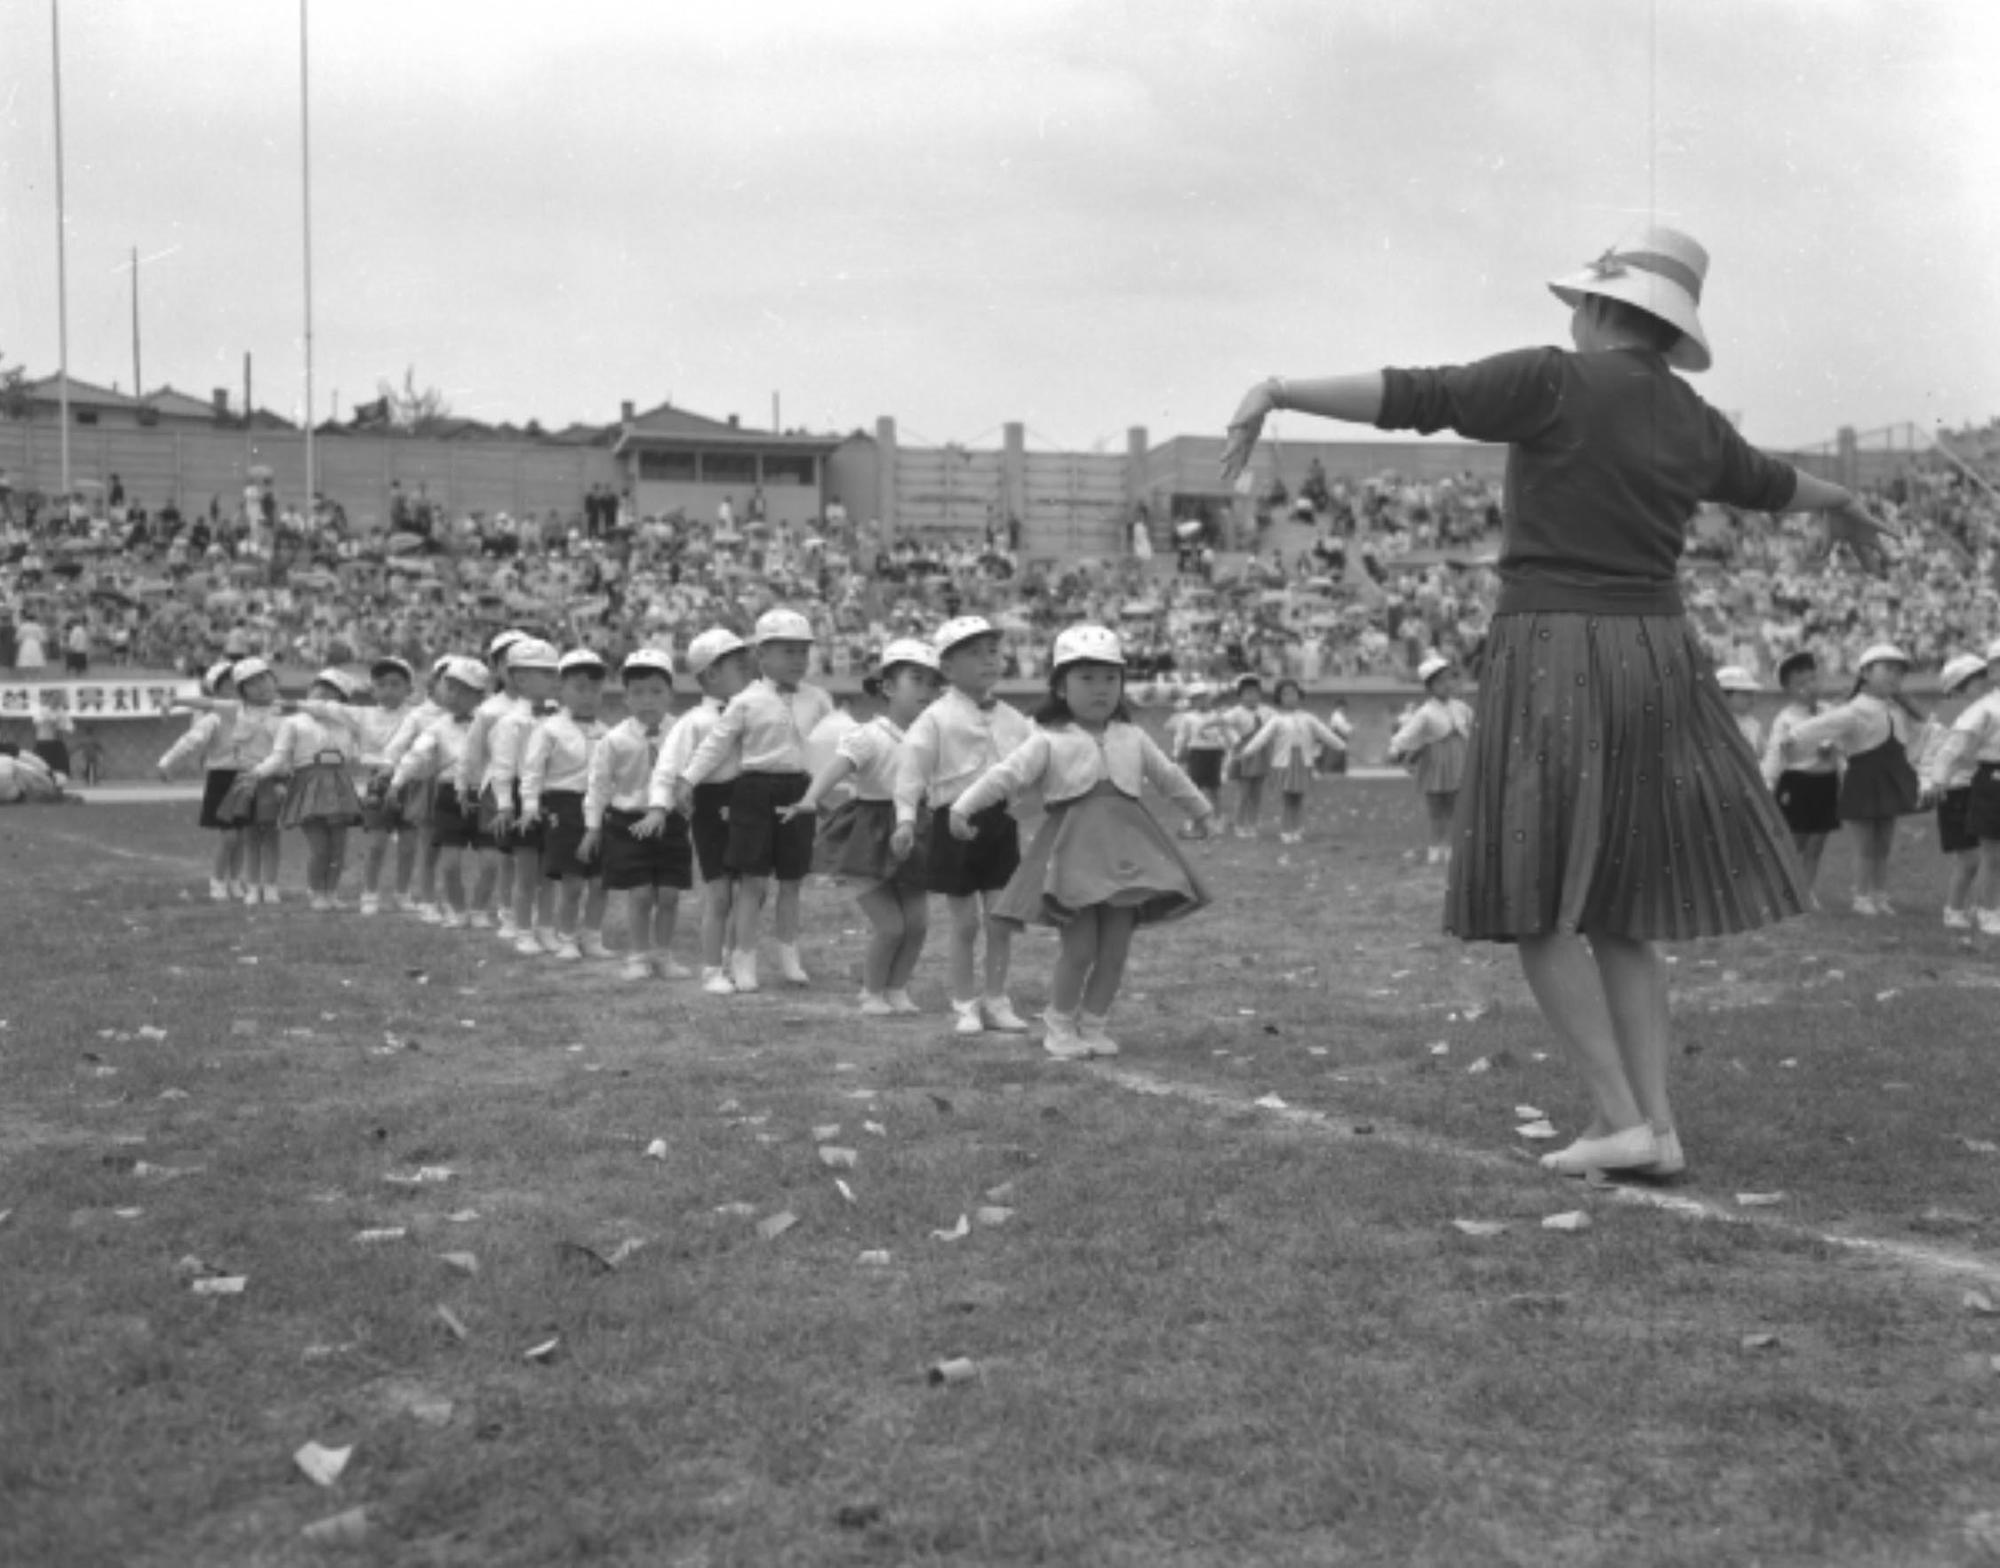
(1357, 399)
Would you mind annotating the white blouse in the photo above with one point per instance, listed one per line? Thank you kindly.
(1068, 762)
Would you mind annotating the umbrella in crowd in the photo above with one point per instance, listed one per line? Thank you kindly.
(403, 543)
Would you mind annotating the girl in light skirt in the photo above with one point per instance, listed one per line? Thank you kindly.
(208, 738)
(1289, 744)
(1433, 741)
(1100, 865)
(313, 759)
(854, 838)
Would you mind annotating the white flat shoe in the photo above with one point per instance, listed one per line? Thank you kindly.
(1618, 1151)
(1672, 1162)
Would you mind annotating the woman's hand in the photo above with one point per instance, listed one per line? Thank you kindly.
(1850, 525)
(1245, 425)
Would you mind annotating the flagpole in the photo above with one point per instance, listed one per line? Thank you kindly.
(62, 257)
(138, 385)
(305, 164)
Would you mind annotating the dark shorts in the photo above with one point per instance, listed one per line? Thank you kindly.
(662, 861)
(213, 788)
(759, 844)
(1810, 802)
(525, 834)
(562, 832)
(708, 829)
(1954, 837)
(1204, 768)
(985, 863)
(452, 827)
(1982, 804)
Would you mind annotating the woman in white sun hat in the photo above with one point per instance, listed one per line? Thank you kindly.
(1609, 801)
(1878, 731)
(1099, 866)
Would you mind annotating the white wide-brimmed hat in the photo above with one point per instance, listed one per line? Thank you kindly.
(1882, 653)
(1733, 677)
(908, 650)
(1087, 645)
(1661, 271)
(1958, 671)
(1436, 664)
(718, 642)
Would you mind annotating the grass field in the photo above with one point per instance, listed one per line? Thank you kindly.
(1201, 1331)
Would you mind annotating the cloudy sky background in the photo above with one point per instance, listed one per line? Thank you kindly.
(1080, 215)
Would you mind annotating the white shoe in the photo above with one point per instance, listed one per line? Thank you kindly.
(1883, 906)
(267, 894)
(370, 904)
(548, 937)
(318, 903)
(451, 920)
(1000, 1015)
(968, 1020)
(592, 943)
(528, 947)
(635, 969)
(1060, 1039)
(716, 983)
(568, 952)
(1957, 919)
(430, 914)
(900, 1002)
(1989, 922)
(1634, 1148)
(1864, 905)
(670, 970)
(789, 965)
(218, 890)
(1672, 1162)
(1091, 1031)
(873, 1006)
(480, 920)
(238, 888)
(743, 971)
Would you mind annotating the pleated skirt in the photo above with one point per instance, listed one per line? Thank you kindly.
(1101, 848)
(1441, 765)
(1608, 791)
(321, 794)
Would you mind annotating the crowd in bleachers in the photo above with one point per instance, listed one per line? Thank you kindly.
(1348, 578)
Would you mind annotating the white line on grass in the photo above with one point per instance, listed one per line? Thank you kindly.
(177, 861)
(1935, 1261)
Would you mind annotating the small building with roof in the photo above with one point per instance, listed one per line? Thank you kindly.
(670, 458)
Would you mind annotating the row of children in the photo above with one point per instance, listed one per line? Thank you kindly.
(1254, 744)
(562, 810)
(1876, 757)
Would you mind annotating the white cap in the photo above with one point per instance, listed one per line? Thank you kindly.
(531, 653)
(718, 642)
(1733, 677)
(962, 628)
(782, 626)
(215, 675)
(337, 679)
(908, 650)
(1993, 651)
(247, 670)
(1435, 664)
(1883, 653)
(467, 671)
(497, 648)
(1087, 645)
(392, 665)
(440, 664)
(647, 661)
(1958, 671)
(580, 659)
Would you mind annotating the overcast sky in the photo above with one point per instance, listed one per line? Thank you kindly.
(1083, 216)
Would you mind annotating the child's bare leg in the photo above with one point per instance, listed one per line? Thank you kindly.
(1964, 872)
(594, 899)
(916, 912)
(569, 906)
(666, 921)
(748, 925)
(717, 919)
(371, 866)
(785, 919)
(885, 919)
(271, 845)
(485, 877)
(1114, 944)
(527, 864)
(450, 874)
(1294, 810)
(1074, 963)
(965, 924)
(999, 953)
(318, 853)
(336, 859)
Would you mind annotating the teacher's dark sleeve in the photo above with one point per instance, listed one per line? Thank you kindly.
(1742, 476)
(1510, 397)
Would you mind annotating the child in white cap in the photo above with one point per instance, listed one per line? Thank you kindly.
(528, 922)
(763, 733)
(1961, 776)
(251, 806)
(1252, 765)
(433, 761)
(951, 743)
(208, 740)
(367, 729)
(409, 808)
(555, 771)
(1879, 731)
(1807, 785)
(856, 842)
(1099, 866)
(494, 874)
(720, 662)
(312, 758)
(1432, 741)
(651, 869)
(1289, 743)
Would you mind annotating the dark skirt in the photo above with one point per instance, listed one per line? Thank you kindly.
(321, 795)
(1204, 767)
(1295, 775)
(1101, 848)
(1982, 805)
(985, 863)
(853, 843)
(1810, 802)
(250, 802)
(1878, 785)
(410, 806)
(214, 789)
(1253, 767)
(1954, 836)
(56, 754)
(1608, 791)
